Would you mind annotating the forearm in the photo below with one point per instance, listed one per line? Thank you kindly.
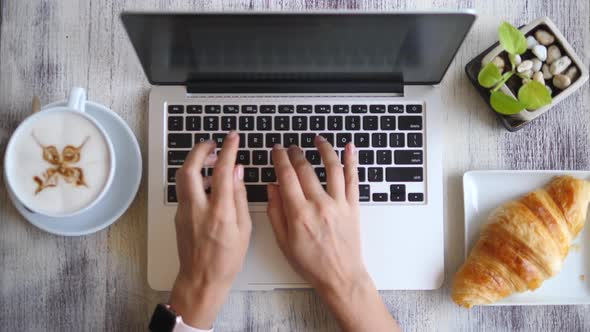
(358, 307)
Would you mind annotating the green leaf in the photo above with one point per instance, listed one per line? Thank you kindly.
(489, 75)
(534, 95)
(505, 104)
(512, 39)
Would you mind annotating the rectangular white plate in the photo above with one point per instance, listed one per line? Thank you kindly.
(483, 191)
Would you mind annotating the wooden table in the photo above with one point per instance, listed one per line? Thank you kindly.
(98, 282)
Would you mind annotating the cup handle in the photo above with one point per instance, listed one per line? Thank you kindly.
(77, 99)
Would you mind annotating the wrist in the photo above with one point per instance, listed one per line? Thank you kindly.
(198, 302)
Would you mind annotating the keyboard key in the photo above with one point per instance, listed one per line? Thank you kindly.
(410, 122)
(291, 139)
(194, 109)
(384, 157)
(264, 123)
(335, 123)
(211, 123)
(249, 109)
(415, 197)
(286, 109)
(259, 157)
(268, 174)
(408, 157)
(210, 171)
(254, 140)
(375, 174)
(299, 123)
(246, 123)
(229, 123)
(307, 140)
(414, 109)
(378, 140)
(212, 109)
(398, 188)
(377, 108)
(200, 138)
(172, 194)
(242, 140)
(364, 193)
(340, 109)
(395, 108)
(193, 123)
(366, 157)
(396, 140)
(313, 156)
(272, 139)
(218, 139)
(329, 137)
(243, 157)
(388, 122)
(256, 193)
(321, 173)
(404, 174)
(177, 157)
(352, 123)
(172, 174)
(251, 174)
(414, 140)
(180, 141)
(379, 197)
(359, 109)
(282, 123)
(268, 109)
(317, 123)
(231, 109)
(175, 109)
(322, 108)
(175, 123)
(361, 140)
(362, 173)
(343, 139)
(304, 109)
(370, 123)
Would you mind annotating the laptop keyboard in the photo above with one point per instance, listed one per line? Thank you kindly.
(389, 139)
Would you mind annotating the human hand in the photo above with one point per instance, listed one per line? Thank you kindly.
(212, 231)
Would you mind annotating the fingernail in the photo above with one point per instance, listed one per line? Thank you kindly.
(295, 152)
(350, 147)
(320, 138)
(232, 134)
(239, 172)
(277, 147)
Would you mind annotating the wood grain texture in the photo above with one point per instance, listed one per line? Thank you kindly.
(98, 282)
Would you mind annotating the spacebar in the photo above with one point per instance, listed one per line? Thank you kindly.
(256, 193)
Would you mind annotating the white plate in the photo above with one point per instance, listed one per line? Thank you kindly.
(119, 196)
(485, 190)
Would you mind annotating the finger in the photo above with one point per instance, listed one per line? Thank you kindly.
(310, 184)
(289, 188)
(222, 183)
(276, 215)
(241, 199)
(210, 160)
(189, 182)
(334, 173)
(351, 176)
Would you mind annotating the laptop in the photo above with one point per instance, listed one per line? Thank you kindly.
(367, 78)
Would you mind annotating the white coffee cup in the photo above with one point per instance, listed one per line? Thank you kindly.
(75, 175)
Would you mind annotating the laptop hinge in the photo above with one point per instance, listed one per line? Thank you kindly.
(378, 85)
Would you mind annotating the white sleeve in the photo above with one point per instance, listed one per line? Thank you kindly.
(181, 326)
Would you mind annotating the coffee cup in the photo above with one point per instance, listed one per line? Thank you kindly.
(59, 161)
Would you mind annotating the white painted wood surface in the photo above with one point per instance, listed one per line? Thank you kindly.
(98, 282)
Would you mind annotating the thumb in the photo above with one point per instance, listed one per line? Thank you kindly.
(275, 213)
(241, 199)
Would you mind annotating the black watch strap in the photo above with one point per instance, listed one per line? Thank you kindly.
(163, 319)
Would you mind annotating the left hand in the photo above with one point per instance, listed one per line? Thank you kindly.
(212, 231)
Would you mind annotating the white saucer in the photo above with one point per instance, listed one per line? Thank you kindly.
(121, 193)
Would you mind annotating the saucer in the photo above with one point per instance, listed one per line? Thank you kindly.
(119, 196)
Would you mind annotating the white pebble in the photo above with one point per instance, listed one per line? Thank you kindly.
(530, 42)
(561, 81)
(524, 66)
(527, 73)
(538, 76)
(553, 53)
(544, 37)
(546, 72)
(499, 62)
(537, 64)
(516, 60)
(540, 52)
(560, 65)
(572, 73)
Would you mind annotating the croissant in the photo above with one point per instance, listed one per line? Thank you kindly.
(524, 243)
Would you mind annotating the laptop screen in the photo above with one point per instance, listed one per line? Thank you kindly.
(179, 48)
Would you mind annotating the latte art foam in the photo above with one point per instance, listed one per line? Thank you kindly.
(59, 163)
